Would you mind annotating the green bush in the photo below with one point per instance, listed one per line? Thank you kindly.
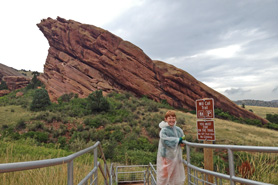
(36, 126)
(65, 98)
(41, 137)
(34, 82)
(117, 135)
(272, 126)
(97, 102)
(40, 100)
(273, 118)
(62, 141)
(3, 85)
(20, 125)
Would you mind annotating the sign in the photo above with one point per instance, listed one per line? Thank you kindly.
(205, 129)
(205, 108)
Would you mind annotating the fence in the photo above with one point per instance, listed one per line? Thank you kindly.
(194, 177)
(91, 178)
(143, 173)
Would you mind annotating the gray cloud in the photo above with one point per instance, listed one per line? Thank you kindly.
(275, 90)
(228, 45)
(238, 91)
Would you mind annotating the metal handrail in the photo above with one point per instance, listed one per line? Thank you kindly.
(149, 173)
(230, 149)
(20, 166)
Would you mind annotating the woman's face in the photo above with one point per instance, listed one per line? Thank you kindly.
(170, 120)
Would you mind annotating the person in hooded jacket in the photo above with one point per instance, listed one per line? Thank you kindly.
(170, 169)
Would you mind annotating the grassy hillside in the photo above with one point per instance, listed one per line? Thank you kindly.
(128, 130)
(262, 111)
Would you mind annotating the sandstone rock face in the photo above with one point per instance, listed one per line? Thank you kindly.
(16, 82)
(13, 78)
(83, 58)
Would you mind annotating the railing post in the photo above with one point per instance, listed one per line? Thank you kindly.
(231, 165)
(117, 175)
(188, 162)
(111, 173)
(70, 173)
(144, 177)
(95, 165)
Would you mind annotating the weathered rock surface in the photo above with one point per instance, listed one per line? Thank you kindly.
(83, 58)
(16, 82)
(13, 78)
(8, 71)
(4, 92)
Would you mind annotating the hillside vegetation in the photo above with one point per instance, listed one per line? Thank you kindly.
(273, 103)
(127, 127)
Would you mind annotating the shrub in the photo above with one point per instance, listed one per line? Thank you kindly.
(65, 98)
(62, 141)
(3, 85)
(41, 137)
(40, 100)
(97, 102)
(20, 125)
(109, 149)
(34, 82)
(36, 126)
(117, 135)
(272, 126)
(273, 118)
(96, 122)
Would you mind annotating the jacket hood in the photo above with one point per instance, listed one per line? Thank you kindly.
(163, 124)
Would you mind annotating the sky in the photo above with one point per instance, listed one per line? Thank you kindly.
(229, 45)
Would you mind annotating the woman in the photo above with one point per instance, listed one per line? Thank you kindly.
(170, 169)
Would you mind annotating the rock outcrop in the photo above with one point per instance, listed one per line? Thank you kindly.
(13, 78)
(83, 58)
(16, 82)
(8, 71)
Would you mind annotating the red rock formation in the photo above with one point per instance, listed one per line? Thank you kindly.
(8, 71)
(13, 78)
(4, 92)
(16, 82)
(83, 58)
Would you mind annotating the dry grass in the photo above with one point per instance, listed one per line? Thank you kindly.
(261, 167)
(262, 111)
(228, 132)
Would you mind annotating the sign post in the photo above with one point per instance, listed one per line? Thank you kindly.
(205, 130)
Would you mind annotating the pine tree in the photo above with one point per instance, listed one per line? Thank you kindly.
(40, 100)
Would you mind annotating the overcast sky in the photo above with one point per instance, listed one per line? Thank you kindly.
(230, 45)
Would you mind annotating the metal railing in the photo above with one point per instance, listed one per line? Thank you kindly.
(144, 173)
(131, 174)
(193, 177)
(151, 174)
(91, 178)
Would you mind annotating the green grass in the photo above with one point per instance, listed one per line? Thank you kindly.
(128, 131)
(26, 150)
(11, 114)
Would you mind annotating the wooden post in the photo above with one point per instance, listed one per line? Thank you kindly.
(208, 160)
